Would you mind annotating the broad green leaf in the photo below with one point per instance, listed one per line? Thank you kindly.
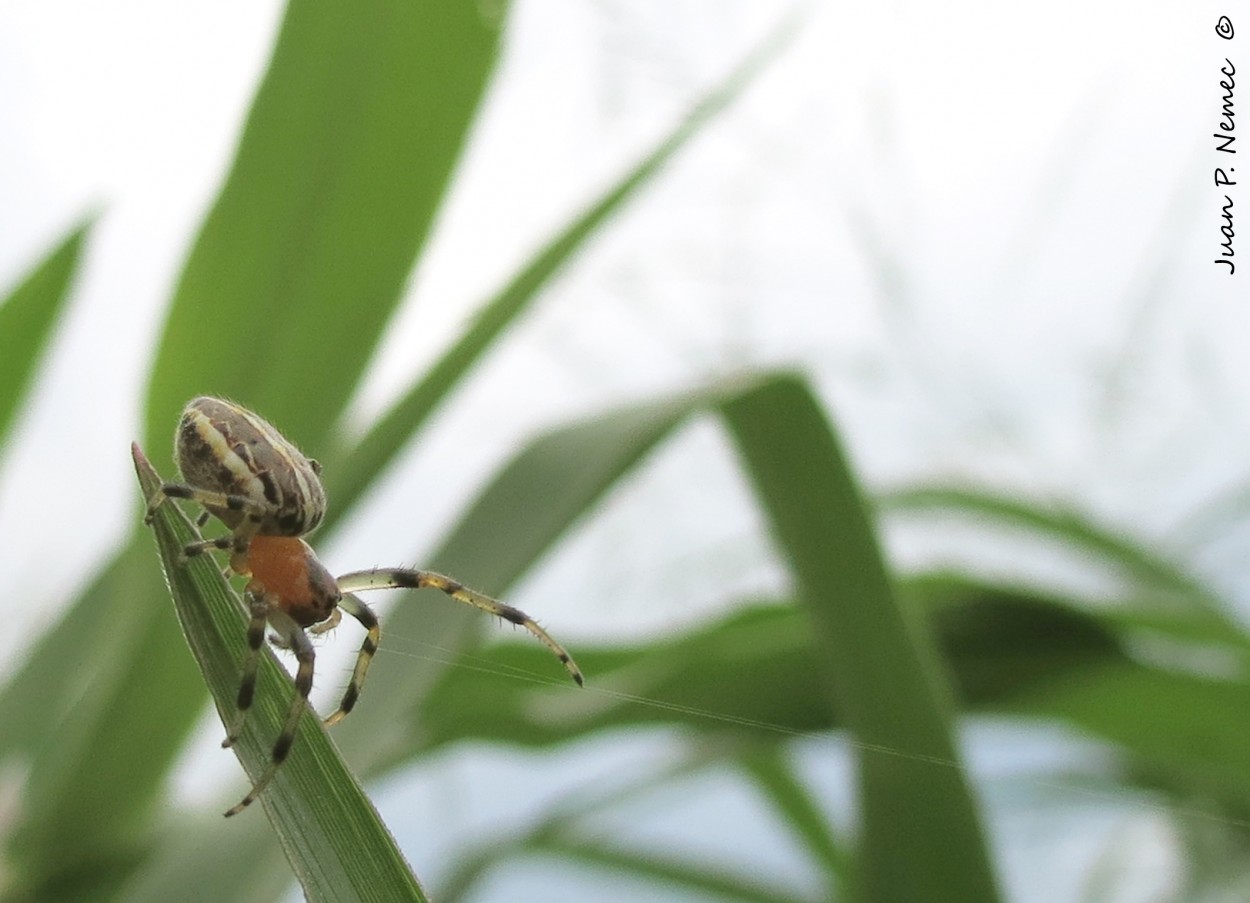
(333, 839)
(27, 318)
(100, 638)
(920, 836)
(1012, 651)
(1000, 639)
(345, 157)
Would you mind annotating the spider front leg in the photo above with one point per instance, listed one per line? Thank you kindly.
(295, 638)
(400, 578)
(250, 515)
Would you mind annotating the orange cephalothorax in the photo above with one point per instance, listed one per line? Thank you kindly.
(285, 569)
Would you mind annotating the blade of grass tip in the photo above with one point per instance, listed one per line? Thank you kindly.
(332, 836)
(27, 318)
(348, 477)
(920, 836)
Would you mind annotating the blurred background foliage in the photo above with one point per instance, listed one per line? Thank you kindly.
(851, 666)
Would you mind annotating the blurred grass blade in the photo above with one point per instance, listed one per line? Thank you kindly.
(1148, 567)
(712, 882)
(1195, 737)
(734, 676)
(239, 854)
(573, 815)
(332, 836)
(345, 157)
(347, 478)
(42, 692)
(920, 836)
(80, 714)
(772, 772)
(27, 317)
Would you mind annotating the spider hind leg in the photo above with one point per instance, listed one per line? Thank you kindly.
(299, 643)
(402, 578)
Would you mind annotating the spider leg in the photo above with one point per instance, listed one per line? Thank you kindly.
(369, 621)
(259, 607)
(200, 546)
(298, 641)
(209, 498)
(252, 515)
(399, 578)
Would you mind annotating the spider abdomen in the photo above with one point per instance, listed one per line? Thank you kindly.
(225, 448)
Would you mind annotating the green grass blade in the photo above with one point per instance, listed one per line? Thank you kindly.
(81, 714)
(713, 882)
(576, 814)
(1195, 739)
(348, 477)
(920, 836)
(334, 841)
(794, 802)
(98, 637)
(27, 317)
(734, 676)
(207, 859)
(1168, 582)
(345, 157)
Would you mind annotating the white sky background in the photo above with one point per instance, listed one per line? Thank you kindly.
(1038, 183)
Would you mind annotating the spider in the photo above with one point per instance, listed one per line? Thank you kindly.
(248, 475)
